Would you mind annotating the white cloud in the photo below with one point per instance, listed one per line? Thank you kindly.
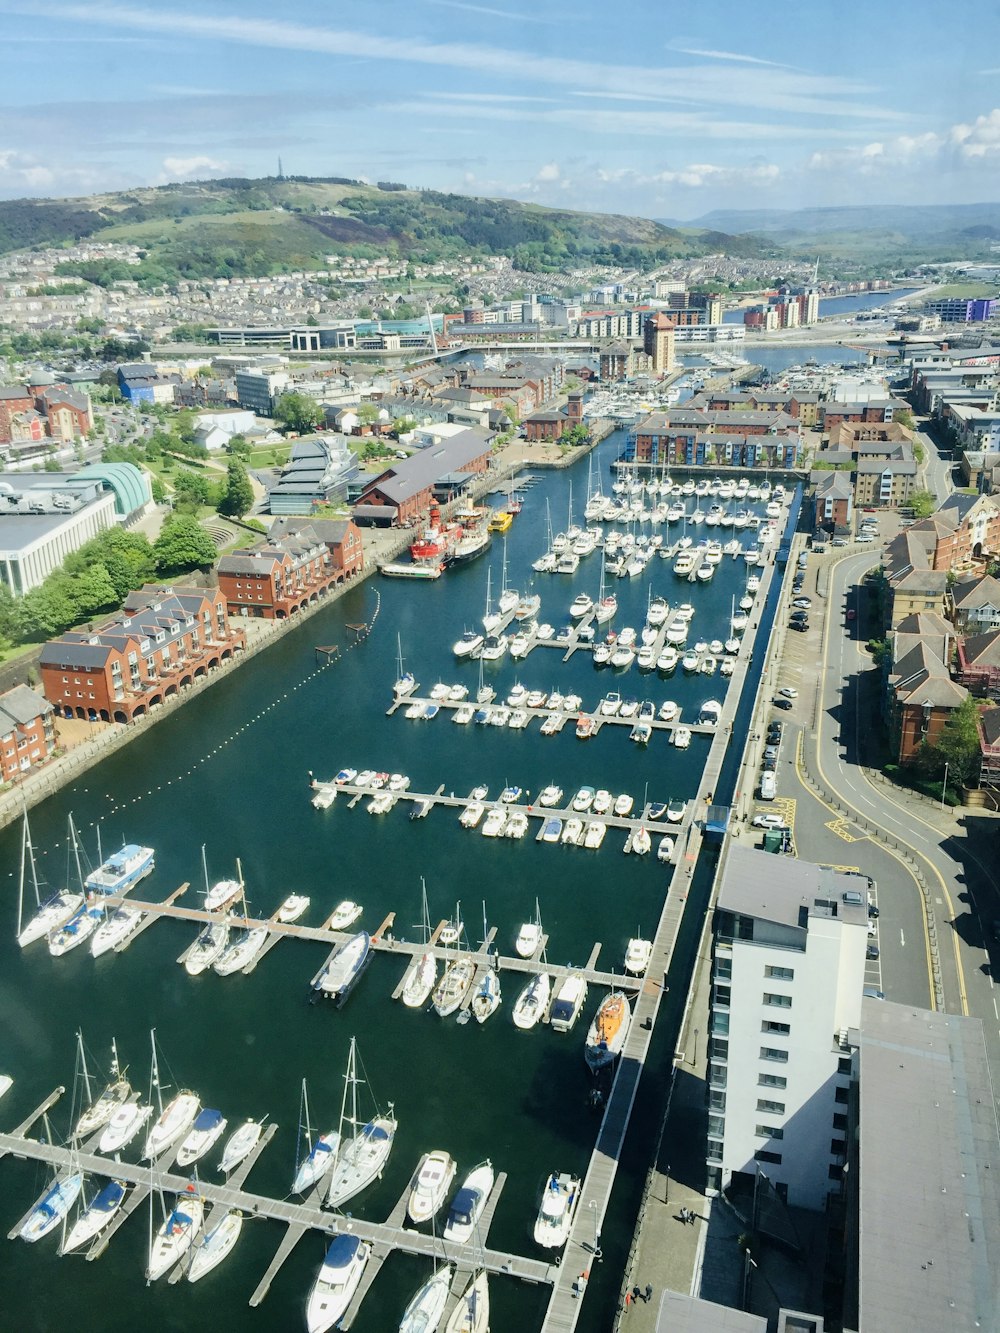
(729, 55)
(550, 172)
(696, 176)
(980, 139)
(959, 146)
(181, 168)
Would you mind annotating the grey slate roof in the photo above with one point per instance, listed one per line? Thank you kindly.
(979, 592)
(22, 704)
(778, 888)
(422, 469)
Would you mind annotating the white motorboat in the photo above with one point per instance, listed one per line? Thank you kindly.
(293, 907)
(176, 1234)
(469, 1203)
(430, 1185)
(215, 1245)
(675, 811)
(665, 850)
(122, 1128)
(451, 931)
(344, 966)
(667, 711)
(572, 831)
(529, 937)
(593, 834)
(364, 1148)
(222, 894)
(207, 1130)
(583, 799)
(472, 814)
(610, 704)
(51, 913)
(552, 830)
(52, 1208)
(533, 1001)
(469, 644)
(517, 825)
(115, 929)
(426, 1310)
(495, 823)
(710, 713)
(240, 1145)
(557, 1210)
(637, 955)
(603, 801)
(121, 871)
(95, 1217)
(681, 737)
(623, 805)
(382, 803)
(581, 606)
(550, 795)
(567, 1002)
(453, 987)
(472, 1313)
(336, 1282)
(486, 1000)
(608, 1032)
(344, 914)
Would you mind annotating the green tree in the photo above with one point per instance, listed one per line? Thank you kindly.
(367, 414)
(958, 744)
(94, 592)
(192, 491)
(240, 446)
(183, 545)
(237, 498)
(296, 411)
(159, 491)
(923, 503)
(905, 418)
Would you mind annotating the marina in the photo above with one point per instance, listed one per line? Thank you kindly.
(413, 1059)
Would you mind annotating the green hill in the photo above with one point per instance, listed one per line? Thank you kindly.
(254, 227)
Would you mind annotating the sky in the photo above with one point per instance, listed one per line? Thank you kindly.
(645, 107)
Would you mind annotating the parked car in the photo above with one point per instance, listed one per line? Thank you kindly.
(839, 541)
(782, 703)
(800, 625)
(851, 613)
(871, 952)
(799, 615)
(873, 993)
(787, 692)
(802, 602)
(769, 821)
(768, 765)
(770, 752)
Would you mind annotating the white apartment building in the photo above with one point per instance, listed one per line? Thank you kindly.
(787, 982)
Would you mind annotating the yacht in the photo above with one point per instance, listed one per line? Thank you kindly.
(208, 948)
(469, 1203)
(637, 955)
(122, 871)
(114, 1095)
(122, 1128)
(292, 908)
(364, 1148)
(344, 914)
(608, 1031)
(593, 834)
(97, 1215)
(472, 1313)
(215, 1245)
(453, 987)
(569, 998)
(641, 841)
(486, 1000)
(665, 849)
(558, 1208)
(208, 1128)
(50, 914)
(336, 1282)
(344, 966)
(426, 1310)
(550, 795)
(76, 931)
(52, 1208)
(468, 645)
(240, 1145)
(172, 1124)
(175, 1235)
(533, 1001)
(242, 951)
(430, 1185)
(529, 937)
(420, 980)
(623, 805)
(681, 737)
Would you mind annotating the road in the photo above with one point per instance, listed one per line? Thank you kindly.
(954, 854)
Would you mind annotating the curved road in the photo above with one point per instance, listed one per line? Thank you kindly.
(959, 875)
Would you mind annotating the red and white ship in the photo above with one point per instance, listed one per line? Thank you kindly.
(434, 544)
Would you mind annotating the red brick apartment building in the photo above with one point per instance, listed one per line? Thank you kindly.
(27, 731)
(160, 643)
(296, 567)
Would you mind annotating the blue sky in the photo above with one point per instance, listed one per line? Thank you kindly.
(645, 107)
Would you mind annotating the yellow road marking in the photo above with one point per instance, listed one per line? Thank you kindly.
(840, 827)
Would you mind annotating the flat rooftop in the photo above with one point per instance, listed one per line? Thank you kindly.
(929, 1173)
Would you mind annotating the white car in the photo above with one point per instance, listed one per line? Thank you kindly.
(787, 692)
(769, 821)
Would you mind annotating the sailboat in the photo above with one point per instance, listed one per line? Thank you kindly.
(175, 1119)
(421, 975)
(509, 597)
(320, 1154)
(546, 563)
(533, 1001)
(245, 948)
(361, 1154)
(98, 1214)
(100, 1109)
(607, 603)
(84, 920)
(49, 915)
(213, 938)
(176, 1233)
(472, 1313)
(424, 1312)
(241, 1144)
(405, 681)
(207, 1130)
(212, 1248)
(52, 1208)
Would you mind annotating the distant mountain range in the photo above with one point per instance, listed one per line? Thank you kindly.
(942, 230)
(253, 227)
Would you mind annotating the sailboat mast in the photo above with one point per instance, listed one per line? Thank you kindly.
(204, 868)
(84, 1071)
(20, 891)
(76, 851)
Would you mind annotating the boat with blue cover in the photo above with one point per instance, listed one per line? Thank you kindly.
(121, 871)
(52, 1207)
(96, 1216)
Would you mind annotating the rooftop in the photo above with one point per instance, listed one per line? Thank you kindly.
(778, 888)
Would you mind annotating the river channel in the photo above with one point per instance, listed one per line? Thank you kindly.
(230, 770)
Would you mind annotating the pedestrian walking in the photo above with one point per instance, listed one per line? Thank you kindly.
(649, 1291)
(628, 1299)
(636, 1294)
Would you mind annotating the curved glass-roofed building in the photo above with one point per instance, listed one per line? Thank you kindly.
(129, 485)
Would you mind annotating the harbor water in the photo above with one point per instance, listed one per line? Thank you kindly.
(230, 770)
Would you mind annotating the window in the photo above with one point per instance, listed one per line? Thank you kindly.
(772, 1081)
(835, 1172)
(840, 1122)
(723, 969)
(765, 1155)
(716, 1100)
(717, 1126)
(777, 1001)
(844, 1065)
(718, 1076)
(779, 973)
(778, 1029)
(714, 1153)
(723, 995)
(718, 1048)
(770, 1108)
(772, 1053)
(768, 1132)
(838, 1147)
(841, 1096)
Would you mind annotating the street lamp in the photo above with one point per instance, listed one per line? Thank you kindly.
(694, 1054)
(944, 784)
(597, 1229)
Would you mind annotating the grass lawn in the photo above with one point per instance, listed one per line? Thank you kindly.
(968, 291)
(269, 455)
(17, 650)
